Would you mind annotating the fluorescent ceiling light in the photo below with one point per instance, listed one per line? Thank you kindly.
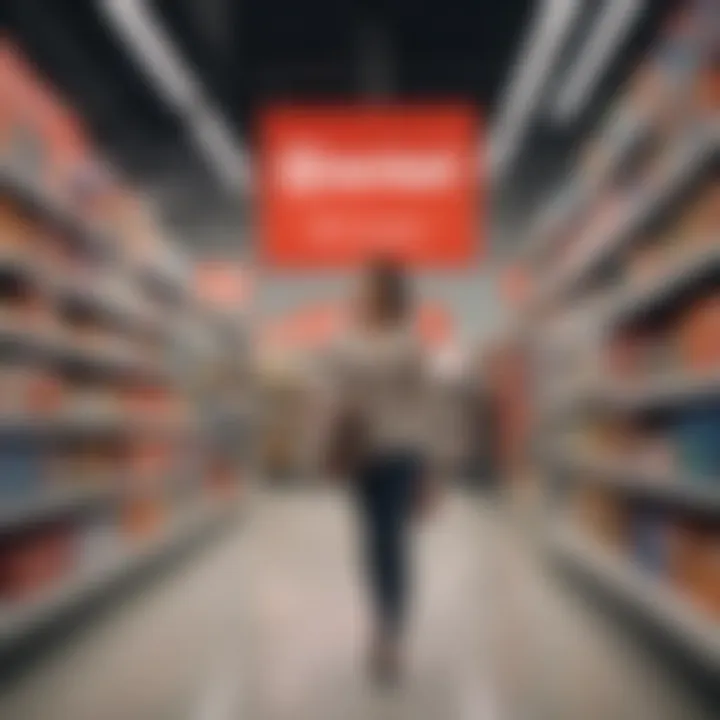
(536, 60)
(612, 27)
(154, 52)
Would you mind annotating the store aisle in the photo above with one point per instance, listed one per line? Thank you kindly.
(268, 624)
(310, 629)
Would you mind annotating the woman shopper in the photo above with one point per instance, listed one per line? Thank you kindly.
(381, 436)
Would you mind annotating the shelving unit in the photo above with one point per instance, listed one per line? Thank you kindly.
(600, 244)
(105, 458)
(579, 191)
(671, 613)
(624, 341)
(657, 293)
(37, 201)
(17, 623)
(636, 481)
(19, 514)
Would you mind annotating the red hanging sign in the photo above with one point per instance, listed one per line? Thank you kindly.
(340, 185)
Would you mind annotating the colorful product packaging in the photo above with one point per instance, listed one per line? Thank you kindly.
(696, 432)
(699, 336)
(143, 517)
(22, 466)
(696, 565)
(36, 560)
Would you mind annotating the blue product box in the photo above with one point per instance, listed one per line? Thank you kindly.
(22, 464)
(697, 437)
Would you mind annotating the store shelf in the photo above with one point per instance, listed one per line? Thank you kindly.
(19, 336)
(579, 192)
(93, 297)
(58, 350)
(170, 284)
(665, 391)
(660, 292)
(108, 361)
(39, 201)
(691, 159)
(21, 621)
(127, 312)
(53, 503)
(620, 475)
(661, 392)
(655, 600)
(17, 265)
(92, 424)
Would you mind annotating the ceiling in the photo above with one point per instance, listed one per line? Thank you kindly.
(251, 52)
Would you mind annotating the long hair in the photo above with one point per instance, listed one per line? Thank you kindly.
(391, 296)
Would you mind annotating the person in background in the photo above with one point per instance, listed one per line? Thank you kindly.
(380, 376)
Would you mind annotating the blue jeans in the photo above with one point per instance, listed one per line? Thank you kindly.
(387, 488)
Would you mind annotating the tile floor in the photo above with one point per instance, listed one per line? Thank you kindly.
(268, 623)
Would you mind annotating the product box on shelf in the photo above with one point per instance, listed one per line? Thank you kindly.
(696, 564)
(16, 230)
(143, 517)
(696, 431)
(93, 401)
(706, 88)
(699, 335)
(150, 462)
(603, 515)
(22, 465)
(35, 560)
(92, 462)
(700, 221)
(28, 391)
(677, 60)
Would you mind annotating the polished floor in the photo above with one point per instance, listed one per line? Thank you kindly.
(268, 623)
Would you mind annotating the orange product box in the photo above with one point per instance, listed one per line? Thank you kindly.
(706, 90)
(32, 562)
(45, 394)
(33, 391)
(146, 400)
(699, 335)
(696, 565)
(150, 459)
(16, 230)
(142, 518)
(94, 462)
(708, 582)
(700, 224)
